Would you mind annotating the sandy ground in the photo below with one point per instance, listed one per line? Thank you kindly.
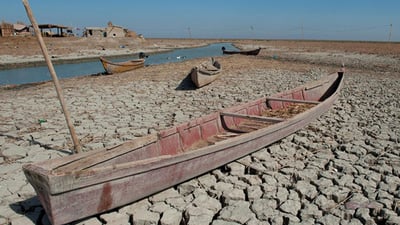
(354, 149)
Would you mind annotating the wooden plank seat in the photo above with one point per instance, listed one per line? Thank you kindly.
(252, 117)
(293, 100)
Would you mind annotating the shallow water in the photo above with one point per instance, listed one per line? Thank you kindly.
(41, 73)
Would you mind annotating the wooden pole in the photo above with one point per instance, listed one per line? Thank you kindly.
(75, 140)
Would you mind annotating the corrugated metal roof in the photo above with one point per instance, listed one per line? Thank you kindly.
(48, 26)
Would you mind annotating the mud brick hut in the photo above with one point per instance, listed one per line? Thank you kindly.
(115, 31)
(109, 31)
(6, 29)
(95, 32)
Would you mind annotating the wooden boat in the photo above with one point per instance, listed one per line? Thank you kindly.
(89, 183)
(205, 73)
(243, 52)
(119, 67)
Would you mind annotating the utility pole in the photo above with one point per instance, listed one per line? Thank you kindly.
(190, 33)
(390, 33)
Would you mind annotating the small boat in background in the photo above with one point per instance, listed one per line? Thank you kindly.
(242, 52)
(85, 184)
(205, 73)
(119, 67)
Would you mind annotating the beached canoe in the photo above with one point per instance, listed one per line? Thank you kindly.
(242, 52)
(205, 73)
(81, 185)
(119, 67)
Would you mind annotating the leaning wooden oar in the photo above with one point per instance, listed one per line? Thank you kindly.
(75, 140)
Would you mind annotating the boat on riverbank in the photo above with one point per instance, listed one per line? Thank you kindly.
(81, 185)
(205, 73)
(119, 67)
(241, 52)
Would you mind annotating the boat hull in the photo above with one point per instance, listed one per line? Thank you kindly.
(244, 52)
(113, 67)
(201, 76)
(79, 186)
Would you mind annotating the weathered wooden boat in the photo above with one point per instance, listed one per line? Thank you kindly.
(242, 52)
(119, 67)
(205, 73)
(89, 183)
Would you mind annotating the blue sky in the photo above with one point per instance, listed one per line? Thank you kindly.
(259, 19)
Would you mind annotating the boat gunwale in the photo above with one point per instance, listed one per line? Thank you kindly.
(206, 72)
(132, 62)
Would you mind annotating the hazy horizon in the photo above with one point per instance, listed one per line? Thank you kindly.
(354, 20)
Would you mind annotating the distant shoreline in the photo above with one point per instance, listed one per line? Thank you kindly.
(58, 61)
(22, 62)
(18, 52)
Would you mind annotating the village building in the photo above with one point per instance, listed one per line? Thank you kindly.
(94, 32)
(115, 31)
(6, 29)
(47, 30)
(53, 30)
(109, 31)
(22, 30)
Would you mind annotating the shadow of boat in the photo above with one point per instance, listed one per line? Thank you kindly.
(29, 209)
(186, 84)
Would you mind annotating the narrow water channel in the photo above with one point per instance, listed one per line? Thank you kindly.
(41, 73)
